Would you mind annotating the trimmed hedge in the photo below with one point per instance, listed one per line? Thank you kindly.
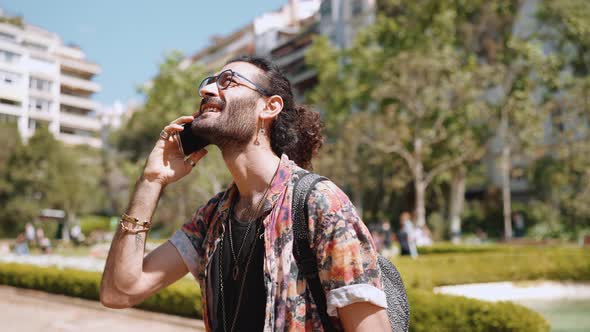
(182, 298)
(512, 263)
(429, 312)
(444, 313)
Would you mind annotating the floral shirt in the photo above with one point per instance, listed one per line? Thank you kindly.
(344, 249)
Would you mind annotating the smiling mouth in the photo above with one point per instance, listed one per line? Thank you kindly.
(207, 109)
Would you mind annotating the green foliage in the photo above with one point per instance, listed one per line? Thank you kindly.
(182, 298)
(90, 223)
(46, 174)
(436, 312)
(512, 263)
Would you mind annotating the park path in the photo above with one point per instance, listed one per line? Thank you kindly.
(28, 310)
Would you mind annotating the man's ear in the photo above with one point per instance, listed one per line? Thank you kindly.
(274, 106)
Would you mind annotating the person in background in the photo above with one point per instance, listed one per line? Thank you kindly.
(407, 236)
(423, 236)
(21, 247)
(30, 233)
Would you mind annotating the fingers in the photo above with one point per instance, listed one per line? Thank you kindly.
(175, 126)
(183, 119)
(194, 157)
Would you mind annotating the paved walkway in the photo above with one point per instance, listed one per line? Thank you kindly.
(28, 310)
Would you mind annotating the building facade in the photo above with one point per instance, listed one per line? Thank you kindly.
(45, 83)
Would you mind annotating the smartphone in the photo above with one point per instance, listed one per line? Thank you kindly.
(189, 142)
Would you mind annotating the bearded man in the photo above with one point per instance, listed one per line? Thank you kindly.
(239, 245)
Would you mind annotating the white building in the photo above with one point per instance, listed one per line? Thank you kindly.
(44, 83)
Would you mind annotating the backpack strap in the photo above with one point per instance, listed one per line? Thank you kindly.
(304, 256)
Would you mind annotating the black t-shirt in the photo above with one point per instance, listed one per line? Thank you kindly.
(253, 303)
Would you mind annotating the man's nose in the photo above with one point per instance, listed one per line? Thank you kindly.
(209, 90)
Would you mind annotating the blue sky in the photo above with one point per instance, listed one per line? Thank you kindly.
(128, 38)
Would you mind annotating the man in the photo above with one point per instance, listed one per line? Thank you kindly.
(239, 245)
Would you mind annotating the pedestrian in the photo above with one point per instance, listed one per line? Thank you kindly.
(21, 247)
(407, 236)
(30, 233)
(239, 244)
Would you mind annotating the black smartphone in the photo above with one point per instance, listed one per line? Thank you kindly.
(189, 142)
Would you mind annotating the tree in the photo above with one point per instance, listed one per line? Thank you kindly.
(46, 174)
(419, 102)
(561, 178)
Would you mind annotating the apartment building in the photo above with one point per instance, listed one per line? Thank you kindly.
(45, 83)
(259, 37)
(338, 20)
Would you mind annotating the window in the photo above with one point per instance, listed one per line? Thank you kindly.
(9, 102)
(40, 84)
(7, 118)
(326, 9)
(7, 36)
(9, 57)
(35, 46)
(357, 7)
(42, 105)
(7, 77)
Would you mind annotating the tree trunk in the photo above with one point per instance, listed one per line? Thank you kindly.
(65, 231)
(419, 185)
(506, 199)
(457, 200)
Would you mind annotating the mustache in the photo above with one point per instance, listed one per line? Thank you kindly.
(210, 100)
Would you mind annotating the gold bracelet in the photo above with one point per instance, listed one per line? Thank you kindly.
(133, 231)
(127, 218)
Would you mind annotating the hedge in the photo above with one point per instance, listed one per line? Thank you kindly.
(445, 313)
(429, 312)
(513, 263)
(182, 298)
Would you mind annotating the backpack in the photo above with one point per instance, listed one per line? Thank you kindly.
(398, 309)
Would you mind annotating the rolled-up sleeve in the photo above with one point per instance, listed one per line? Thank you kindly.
(186, 250)
(188, 240)
(346, 254)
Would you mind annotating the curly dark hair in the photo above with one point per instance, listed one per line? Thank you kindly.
(296, 131)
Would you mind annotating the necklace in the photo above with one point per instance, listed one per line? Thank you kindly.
(243, 281)
(251, 217)
(235, 271)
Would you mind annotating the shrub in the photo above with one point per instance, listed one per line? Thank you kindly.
(511, 263)
(91, 223)
(437, 312)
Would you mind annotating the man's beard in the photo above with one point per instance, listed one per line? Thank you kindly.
(233, 128)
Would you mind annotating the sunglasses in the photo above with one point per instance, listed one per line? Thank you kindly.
(225, 78)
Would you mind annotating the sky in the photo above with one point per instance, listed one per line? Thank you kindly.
(129, 38)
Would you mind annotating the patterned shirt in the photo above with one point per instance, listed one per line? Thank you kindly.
(345, 252)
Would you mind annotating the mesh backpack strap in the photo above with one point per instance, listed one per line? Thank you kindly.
(304, 256)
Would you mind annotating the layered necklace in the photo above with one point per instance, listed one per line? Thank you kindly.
(236, 273)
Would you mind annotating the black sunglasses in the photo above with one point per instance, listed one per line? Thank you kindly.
(225, 78)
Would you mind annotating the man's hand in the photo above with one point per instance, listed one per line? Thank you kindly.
(166, 163)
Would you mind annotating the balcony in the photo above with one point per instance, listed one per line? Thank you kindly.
(10, 109)
(79, 84)
(78, 102)
(41, 115)
(79, 121)
(80, 66)
(14, 92)
(285, 60)
(79, 140)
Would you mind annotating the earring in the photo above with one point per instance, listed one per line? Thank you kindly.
(260, 132)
